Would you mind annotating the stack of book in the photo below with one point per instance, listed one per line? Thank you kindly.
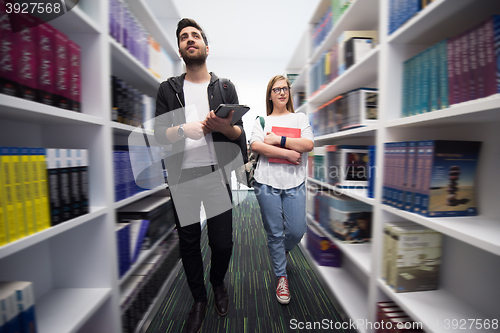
(401, 11)
(39, 64)
(455, 70)
(323, 251)
(434, 178)
(129, 106)
(17, 307)
(412, 257)
(141, 288)
(350, 110)
(324, 26)
(347, 166)
(392, 319)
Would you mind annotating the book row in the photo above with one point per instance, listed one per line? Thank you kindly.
(299, 99)
(40, 188)
(455, 70)
(411, 257)
(333, 13)
(433, 178)
(345, 218)
(401, 11)
(130, 106)
(141, 288)
(17, 307)
(140, 225)
(134, 171)
(127, 30)
(39, 64)
(392, 319)
(344, 166)
(322, 249)
(350, 48)
(346, 111)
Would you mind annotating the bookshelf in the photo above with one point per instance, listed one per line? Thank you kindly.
(74, 265)
(471, 245)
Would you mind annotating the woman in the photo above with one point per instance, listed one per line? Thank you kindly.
(279, 187)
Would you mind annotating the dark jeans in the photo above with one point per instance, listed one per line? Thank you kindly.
(220, 231)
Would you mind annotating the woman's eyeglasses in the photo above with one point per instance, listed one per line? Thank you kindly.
(278, 90)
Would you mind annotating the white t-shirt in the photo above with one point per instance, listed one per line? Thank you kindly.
(278, 175)
(197, 152)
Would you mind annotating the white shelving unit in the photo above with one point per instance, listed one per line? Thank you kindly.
(73, 265)
(471, 245)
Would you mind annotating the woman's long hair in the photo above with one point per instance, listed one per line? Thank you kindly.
(269, 102)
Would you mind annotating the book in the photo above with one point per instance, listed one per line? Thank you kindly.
(65, 186)
(8, 56)
(387, 249)
(27, 190)
(53, 181)
(46, 63)
(410, 176)
(61, 88)
(349, 220)
(8, 193)
(82, 163)
(26, 57)
(17, 183)
(9, 311)
(25, 302)
(123, 247)
(323, 250)
(138, 230)
(75, 187)
(43, 188)
(356, 48)
(74, 82)
(443, 95)
(289, 133)
(372, 167)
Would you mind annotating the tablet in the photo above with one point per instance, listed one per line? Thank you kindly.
(239, 110)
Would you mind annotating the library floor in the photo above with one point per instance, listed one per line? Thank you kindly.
(251, 286)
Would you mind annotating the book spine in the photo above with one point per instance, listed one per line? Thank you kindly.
(27, 69)
(410, 176)
(9, 195)
(75, 188)
(61, 88)
(53, 167)
(17, 183)
(457, 66)
(64, 189)
(496, 30)
(8, 56)
(465, 84)
(44, 192)
(372, 170)
(27, 188)
(386, 174)
(390, 161)
(473, 72)
(434, 77)
(46, 64)
(35, 179)
(404, 179)
(419, 162)
(425, 92)
(491, 66)
(450, 46)
(26, 306)
(481, 61)
(417, 103)
(411, 86)
(406, 92)
(4, 232)
(74, 76)
(427, 174)
(443, 75)
(83, 170)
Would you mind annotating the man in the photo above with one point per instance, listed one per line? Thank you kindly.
(203, 145)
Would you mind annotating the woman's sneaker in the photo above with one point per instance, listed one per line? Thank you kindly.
(282, 292)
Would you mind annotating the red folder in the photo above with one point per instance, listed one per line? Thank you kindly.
(288, 132)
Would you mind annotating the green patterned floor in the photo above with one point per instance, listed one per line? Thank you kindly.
(251, 286)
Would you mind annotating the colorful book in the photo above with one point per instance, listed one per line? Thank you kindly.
(443, 75)
(17, 183)
(465, 58)
(289, 133)
(27, 190)
(37, 199)
(8, 192)
(8, 56)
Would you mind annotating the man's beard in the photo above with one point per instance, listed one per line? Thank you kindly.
(194, 61)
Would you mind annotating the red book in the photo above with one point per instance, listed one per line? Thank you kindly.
(288, 132)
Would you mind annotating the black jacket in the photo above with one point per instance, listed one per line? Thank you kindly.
(170, 112)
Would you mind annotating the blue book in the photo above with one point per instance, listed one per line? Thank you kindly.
(9, 311)
(372, 152)
(443, 74)
(142, 232)
(410, 175)
(406, 93)
(425, 97)
(434, 77)
(25, 303)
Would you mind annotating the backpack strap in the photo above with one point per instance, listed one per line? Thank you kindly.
(222, 88)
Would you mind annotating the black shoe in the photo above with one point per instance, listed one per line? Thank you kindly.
(221, 300)
(196, 316)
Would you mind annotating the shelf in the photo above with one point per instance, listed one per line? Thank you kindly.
(432, 308)
(138, 196)
(302, 108)
(143, 256)
(123, 129)
(149, 21)
(442, 19)
(22, 110)
(478, 231)
(343, 286)
(361, 15)
(360, 254)
(364, 131)
(483, 110)
(126, 67)
(361, 74)
(66, 310)
(300, 81)
(356, 193)
(43, 235)
(76, 21)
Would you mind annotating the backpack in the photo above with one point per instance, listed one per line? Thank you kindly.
(253, 158)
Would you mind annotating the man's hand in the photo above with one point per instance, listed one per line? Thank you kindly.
(194, 130)
(212, 123)
(272, 139)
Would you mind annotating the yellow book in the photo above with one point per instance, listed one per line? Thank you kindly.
(44, 192)
(4, 239)
(17, 182)
(24, 156)
(37, 204)
(8, 195)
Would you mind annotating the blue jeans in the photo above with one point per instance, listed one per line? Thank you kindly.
(284, 218)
